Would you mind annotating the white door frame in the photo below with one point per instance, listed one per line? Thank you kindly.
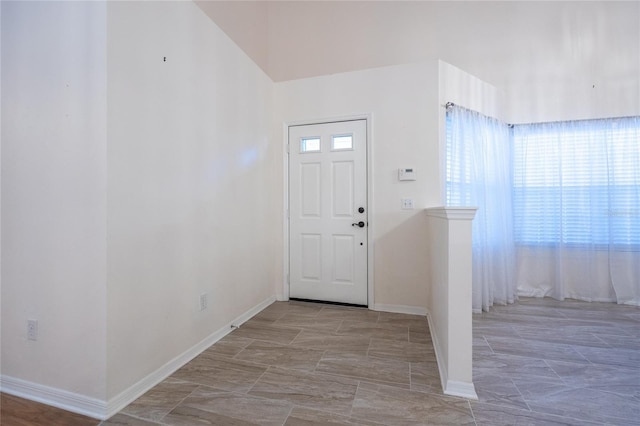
(370, 203)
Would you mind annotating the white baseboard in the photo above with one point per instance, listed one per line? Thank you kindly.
(440, 358)
(134, 392)
(102, 410)
(461, 389)
(449, 387)
(400, 309)
(59, 398)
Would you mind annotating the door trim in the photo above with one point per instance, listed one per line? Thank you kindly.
(370, 201)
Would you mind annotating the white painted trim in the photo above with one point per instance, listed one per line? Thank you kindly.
(368, 117)
(449, 387)
(327, 120)
(129, 395)
(440, 358)
(102, 410)
(284, 295)
(452, 213)
(59, 398)
(461, 389)
(370, 217)
(400, 309)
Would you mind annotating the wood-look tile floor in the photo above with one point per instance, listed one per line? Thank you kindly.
(537, 362)
(542, 361)
(302, 363)
(16, 411)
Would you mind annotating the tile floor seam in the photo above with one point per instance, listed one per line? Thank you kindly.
(353, 401)
(488, 344)
(521, 395)
(554, 371)
(144, 419)
(284, 422)
(575, 419)
(558, 416)
(397, 385)
(475, 421)
(315, 369)
(587, 359)
(256, 381)
(174, 407)
(410, 376)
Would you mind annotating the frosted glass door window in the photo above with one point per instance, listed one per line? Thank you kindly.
(341, 142)
(310, 145)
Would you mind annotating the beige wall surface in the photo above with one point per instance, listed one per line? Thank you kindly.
(54, 177)
(137, 175)
(403, 103)
(190, 187)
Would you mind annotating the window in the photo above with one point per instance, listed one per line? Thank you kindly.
(457, 168)
(310, 144)
(577, 183)
(574, 183)
(341, 142)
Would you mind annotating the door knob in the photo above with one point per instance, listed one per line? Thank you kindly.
(360, 224)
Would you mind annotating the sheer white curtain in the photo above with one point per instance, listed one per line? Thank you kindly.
(478, 173)
(577, 209)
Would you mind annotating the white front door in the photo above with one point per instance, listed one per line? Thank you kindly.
(328, 212)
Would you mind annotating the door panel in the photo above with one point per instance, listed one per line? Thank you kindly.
(311, 256)
(310, 193)
(327, 186)
(343, 256)
(342, 190)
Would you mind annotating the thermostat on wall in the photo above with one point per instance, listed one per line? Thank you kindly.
(407, 174)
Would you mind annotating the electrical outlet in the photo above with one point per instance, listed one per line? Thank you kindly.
(203, 301)
(407, 203)
(32, 329)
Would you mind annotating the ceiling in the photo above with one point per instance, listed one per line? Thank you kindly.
(490, 39)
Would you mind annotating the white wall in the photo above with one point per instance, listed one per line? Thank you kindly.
(403, 101)
(190, 188)
(449, 261)
(54, 176)
(131, 185)
(557, 60)
(450, 299)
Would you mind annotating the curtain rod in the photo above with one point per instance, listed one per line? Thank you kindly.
(451, 104)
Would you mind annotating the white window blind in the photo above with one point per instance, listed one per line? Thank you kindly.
(577, 183)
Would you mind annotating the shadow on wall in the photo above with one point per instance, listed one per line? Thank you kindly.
(401, 261)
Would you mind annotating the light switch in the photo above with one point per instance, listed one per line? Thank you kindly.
(407, 203)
